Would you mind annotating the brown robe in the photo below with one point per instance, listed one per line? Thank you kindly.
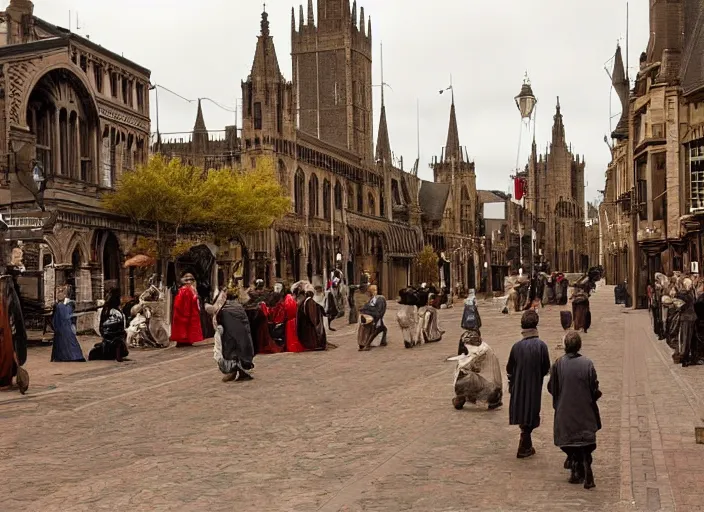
(311, 329)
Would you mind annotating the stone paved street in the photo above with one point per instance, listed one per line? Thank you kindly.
(347, 431)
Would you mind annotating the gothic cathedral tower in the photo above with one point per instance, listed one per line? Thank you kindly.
(332, 75)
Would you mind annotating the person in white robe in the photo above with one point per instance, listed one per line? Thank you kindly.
(478, 373)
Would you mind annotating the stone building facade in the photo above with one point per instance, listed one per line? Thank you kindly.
(73, 117)
(654, 181)
(353, 204)
(555, 197)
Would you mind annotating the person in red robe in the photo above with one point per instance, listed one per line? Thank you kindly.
(186, 326)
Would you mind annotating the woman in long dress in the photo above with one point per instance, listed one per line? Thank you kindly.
(112, 329)
(186, 328)
(65, 347)
(310, 324)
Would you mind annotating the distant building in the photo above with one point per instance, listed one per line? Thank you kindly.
(555, 196)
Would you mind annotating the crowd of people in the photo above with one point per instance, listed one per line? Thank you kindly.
(259, 321)
(676, 305)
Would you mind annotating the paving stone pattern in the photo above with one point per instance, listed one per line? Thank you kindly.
(346, 431)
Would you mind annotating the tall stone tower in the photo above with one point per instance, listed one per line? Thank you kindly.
(267, 98)
(332, 75)
(454, 168)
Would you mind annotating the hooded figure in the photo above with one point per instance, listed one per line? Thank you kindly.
(65, 347)
(186, 328)
(580, 308)
(478, 373)
(233, 350)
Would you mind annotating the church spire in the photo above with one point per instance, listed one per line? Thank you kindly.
(558, 128)
(200, 132)
(383, 145)
(452, 147)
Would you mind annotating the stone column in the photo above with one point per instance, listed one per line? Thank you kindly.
(77, 134)
(57, 143)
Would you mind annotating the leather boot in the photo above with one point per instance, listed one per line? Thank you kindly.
(577, 472)
(525, 447)
(588, 474)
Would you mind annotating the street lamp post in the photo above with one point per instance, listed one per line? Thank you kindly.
(526, 103)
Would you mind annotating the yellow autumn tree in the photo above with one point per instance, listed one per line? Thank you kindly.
(175, 197)
(426, 265)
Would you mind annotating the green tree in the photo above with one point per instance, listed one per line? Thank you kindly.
(426, 263)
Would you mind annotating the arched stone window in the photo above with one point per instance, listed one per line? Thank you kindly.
(313, 196)
(326, 199)
(350, 196)
(338, 196)
(62, 116)
(466, 224)
(299, 192)
(371, 204)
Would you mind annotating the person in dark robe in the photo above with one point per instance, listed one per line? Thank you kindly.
(688, 321)
(580, 308)
(274, 341)
(65, 347)
(311, 328)
(13, 339)
(186, 327)
(332, 310)
(113, 347)
(233, 347)
(528, 364)
(575, 391)
(372, 320)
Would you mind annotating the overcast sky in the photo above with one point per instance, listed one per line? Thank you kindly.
(205, 48)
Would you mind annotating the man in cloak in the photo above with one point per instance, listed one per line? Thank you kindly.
(233, 349)
(575, 391)
(13, 338)
(372, 320)
(580, 307)
(186, 326)
(478, 374)
(310, 324)
(528, 364)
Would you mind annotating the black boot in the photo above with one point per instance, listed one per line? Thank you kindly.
(525, 447)
(577, 472)
(588, 474)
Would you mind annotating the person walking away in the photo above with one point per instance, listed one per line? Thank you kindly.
(478, 373)
(372, 320)
(234, 350)
(528, 364)
(65, 346)
(186, 328)
(13, 339)
(575, 391)
(310, 321)
(580, 308)
(407, 317)
(113, 347)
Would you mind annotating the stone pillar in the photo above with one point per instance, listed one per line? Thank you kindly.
(57, 143)
(649, 186)
(77, 134)
(385, 281)
(84, 287)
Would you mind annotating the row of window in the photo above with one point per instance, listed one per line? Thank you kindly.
(129, 91)
(299, 197)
